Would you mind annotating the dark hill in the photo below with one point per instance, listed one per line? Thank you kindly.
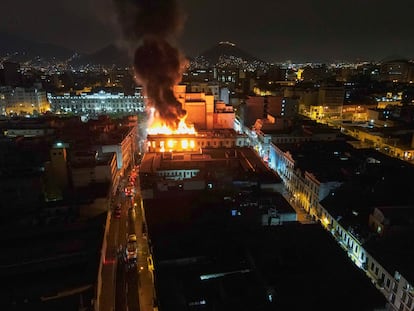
(109, 55)
(23, 49)
(226, 49)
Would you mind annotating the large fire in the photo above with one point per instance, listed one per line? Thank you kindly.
(170, 139)
(160, 128)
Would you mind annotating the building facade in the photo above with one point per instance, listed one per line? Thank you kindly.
(308, 190)
(24, 101)
(196, 142)
(97, 103)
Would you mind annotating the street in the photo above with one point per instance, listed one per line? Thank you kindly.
(127, 286)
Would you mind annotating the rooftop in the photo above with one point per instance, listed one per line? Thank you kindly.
(394, 250)
(204, 258)
(291, 255)
(327, 160)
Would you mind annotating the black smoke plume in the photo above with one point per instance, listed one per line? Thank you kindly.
(158, 65)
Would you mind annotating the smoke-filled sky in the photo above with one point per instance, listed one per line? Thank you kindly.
(272, 30)
(158, 65)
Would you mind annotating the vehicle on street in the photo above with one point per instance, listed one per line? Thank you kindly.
(129, 191)
(150, 263)
(117, 211)
(131, 210)
(132, 250)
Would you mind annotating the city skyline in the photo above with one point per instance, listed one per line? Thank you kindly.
(299, 31)
(142, 179)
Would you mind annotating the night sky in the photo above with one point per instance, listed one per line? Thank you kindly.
(300, 30)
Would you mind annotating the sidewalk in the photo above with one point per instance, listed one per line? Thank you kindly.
(107, 298)
(146, 288)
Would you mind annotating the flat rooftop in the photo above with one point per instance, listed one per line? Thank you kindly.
(40, 261)
(215, 159)
(308, 271)
(328, 161)
(203, 257)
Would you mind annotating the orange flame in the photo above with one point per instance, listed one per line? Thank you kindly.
(158, 127)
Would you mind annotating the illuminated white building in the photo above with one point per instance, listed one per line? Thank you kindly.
(97, 103)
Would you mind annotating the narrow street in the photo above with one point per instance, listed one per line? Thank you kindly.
(127, 287)
(302, 216)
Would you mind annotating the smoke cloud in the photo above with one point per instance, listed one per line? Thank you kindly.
(158, 65)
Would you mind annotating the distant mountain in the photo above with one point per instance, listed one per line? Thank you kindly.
(225, 50)
(22, 49)
(394, 57)
(19, 50)
(108, 55)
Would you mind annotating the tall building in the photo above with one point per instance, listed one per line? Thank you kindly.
(199, 107)
(330, 103)
(253, 109)
(282, 106)
(204, 111)
(56, 173)
(207, 88)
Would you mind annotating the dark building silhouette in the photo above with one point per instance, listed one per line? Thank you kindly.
(11, 74)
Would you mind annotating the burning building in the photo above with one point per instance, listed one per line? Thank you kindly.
(202, 112)
(214, 122)
(196, 142)
(158, 68)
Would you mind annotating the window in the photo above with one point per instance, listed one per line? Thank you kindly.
(388, 283)
(394, 287)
